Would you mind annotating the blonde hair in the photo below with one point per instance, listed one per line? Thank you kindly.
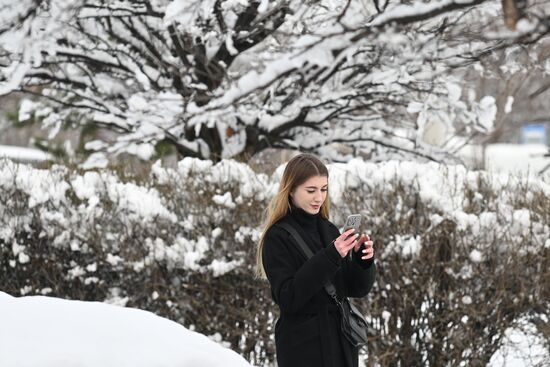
(298, 170)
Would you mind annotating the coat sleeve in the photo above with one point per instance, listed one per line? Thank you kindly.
(293, 285)
(360, 275)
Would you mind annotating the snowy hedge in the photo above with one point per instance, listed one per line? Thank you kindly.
(463, 256)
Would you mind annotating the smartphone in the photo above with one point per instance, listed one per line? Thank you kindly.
(353, 221)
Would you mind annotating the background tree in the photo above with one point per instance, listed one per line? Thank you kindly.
(218, 79)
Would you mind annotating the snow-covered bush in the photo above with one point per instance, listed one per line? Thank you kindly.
(463, 256)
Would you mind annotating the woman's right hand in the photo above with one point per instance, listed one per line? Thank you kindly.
(345, 242)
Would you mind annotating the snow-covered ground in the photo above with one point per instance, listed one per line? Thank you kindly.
(22, 154)
(517, 158)
(38, 331)
(508, 158)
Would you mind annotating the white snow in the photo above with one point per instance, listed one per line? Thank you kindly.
(85, 186)
(404, 245)
(144, 203)
(476, 256)
(26, 109)
(142, 151)
(311, 36)
(40, 331)
(216, 232)
(219, 268)
(509, 103)
(487, 112)
(16, 73)
(95, 160)
(518, 159)
(224, 200)
(186, 11)
(523, 346)
(262, 8)
(229, 44)
(24, 154)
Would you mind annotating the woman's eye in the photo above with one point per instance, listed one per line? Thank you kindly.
(324, 190)
(311, 192)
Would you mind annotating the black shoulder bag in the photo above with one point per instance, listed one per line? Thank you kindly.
(354, 325)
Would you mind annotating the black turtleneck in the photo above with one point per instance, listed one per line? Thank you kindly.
(309, 223)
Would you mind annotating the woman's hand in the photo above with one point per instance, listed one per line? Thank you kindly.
(346, 242)
(365, 242)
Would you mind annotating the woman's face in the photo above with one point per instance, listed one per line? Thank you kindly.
(311, 194)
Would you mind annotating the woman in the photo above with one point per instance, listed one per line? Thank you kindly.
(308, 332)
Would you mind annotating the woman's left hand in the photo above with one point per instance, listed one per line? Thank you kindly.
(366, 244)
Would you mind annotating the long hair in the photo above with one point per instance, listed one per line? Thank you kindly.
(298, 170)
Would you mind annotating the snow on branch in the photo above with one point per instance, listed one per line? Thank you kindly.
(249, 75)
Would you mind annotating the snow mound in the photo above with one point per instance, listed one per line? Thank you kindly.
(42, 331)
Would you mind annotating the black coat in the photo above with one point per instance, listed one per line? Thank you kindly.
(307, 332)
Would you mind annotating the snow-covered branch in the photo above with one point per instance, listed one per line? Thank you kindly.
(246, 75)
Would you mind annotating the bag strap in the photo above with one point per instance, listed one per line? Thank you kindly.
(306, 251)
(329, 287)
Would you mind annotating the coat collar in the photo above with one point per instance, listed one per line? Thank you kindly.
(308, 222)
(327, 230)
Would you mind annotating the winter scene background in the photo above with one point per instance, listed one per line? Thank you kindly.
(140, 142)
